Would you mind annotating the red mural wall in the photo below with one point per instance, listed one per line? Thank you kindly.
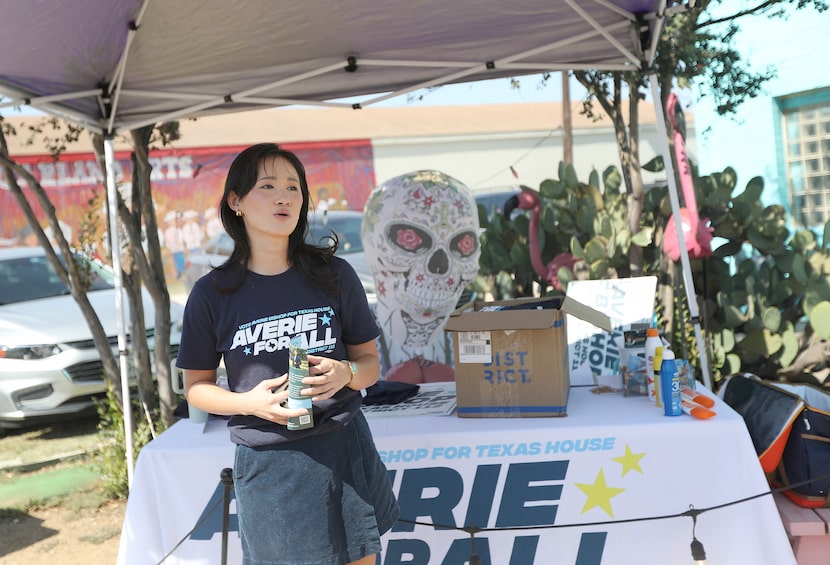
(187, 184)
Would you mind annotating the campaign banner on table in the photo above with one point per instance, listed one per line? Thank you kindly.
(611, 484)
(528, 498)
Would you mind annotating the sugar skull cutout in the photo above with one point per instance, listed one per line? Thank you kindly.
(420, 233)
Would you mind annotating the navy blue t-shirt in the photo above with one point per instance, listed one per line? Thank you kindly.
(252, 327)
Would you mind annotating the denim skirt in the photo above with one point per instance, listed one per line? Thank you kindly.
(321, 500)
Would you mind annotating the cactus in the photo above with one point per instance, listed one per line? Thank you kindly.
(766, 297)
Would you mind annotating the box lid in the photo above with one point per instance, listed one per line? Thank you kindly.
(521, 315)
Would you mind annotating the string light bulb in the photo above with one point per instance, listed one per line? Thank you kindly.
(698, 553)
(474, 558)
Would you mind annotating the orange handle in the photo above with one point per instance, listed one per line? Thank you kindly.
(692, 396)
(696, 410)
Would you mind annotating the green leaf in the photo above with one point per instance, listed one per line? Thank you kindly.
(593, 178)
(602, 226)
(565, 276)
(762, 342)
(549, 219)
(595, 250)
(772, 318)
(521, 224)
(655, 165)
(598, 269)
(798, 271)
(483, 217)
(820, 319)
(754, 189)
(552, 189)
(520, 255)
(816, 291)
(728, 249)
(803, 240)
(485, 261)
(733, 318)
(576, 249)
(643, 237)
(499, 257)
(727, 339)
(790, 349)
(729, 179)
(732, 365)
(612, 179)
(571, 180)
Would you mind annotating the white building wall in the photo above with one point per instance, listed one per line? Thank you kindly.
(483, 161)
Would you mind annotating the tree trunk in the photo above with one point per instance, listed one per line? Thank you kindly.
(71, 276)
(628, 149)
(636, 192)
(567, 125)
(152, 269)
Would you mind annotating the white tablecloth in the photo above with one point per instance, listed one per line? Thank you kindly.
(612, 459)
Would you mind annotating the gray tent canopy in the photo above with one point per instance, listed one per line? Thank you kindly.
(117, 65)
(121, 64)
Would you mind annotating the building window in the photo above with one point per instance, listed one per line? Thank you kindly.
(806, 131)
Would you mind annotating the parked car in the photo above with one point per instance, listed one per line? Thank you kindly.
(345, 223)
(493, 200)
(49, 367)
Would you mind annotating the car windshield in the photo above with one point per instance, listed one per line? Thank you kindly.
(347, 229)
(32, 278)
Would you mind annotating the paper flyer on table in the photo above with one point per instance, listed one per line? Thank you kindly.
(433, 399)
(628, 302)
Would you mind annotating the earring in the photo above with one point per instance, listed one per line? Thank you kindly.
(239, 213)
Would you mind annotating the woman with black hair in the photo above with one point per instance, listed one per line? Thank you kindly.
(314, 496)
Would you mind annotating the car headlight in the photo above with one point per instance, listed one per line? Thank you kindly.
(29, 352)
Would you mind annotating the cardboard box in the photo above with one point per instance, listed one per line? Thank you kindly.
(512, 362)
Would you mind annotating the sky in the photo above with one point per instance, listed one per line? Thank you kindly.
(496, 91)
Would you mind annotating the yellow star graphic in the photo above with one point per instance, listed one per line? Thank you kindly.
(630, 461)
(599, 494)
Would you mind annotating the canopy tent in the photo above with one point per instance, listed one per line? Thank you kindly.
(122, 64)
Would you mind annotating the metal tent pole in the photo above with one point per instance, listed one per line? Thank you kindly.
(688, 282)
(115, 252)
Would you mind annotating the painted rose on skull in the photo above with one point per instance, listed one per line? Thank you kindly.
(420, 233)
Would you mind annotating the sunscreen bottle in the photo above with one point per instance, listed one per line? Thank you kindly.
(670, 385)
(652, 343)
(658, 361)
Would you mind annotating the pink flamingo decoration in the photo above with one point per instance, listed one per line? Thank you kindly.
(529, 199)
(697, 234)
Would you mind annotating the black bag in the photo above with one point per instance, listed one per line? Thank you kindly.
(790, 428)
(768, 413)
(807, 453)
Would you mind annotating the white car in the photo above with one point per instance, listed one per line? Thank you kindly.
(345, 223)
(49, 367)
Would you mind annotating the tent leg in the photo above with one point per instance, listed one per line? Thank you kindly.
(688, 282)
(115, 252)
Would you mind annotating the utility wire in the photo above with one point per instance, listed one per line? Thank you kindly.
(517, 161)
